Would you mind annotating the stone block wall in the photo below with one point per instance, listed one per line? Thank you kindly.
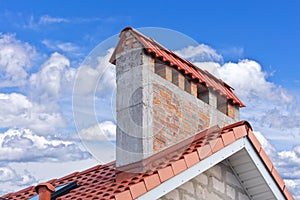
(217, 183)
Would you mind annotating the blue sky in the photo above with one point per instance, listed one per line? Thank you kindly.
(254, 45)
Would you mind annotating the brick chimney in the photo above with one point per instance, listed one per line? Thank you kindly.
(163, 99)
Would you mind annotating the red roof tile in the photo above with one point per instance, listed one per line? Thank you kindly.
(165, 173)
(168, 56)
(99, 182)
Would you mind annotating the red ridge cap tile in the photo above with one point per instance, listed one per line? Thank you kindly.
(68, 176)
(239, 131)
(8, 195)
(125, 195)
(137, 189)
(165, 173)
(287, 194)
(278, 179)
(228, 138)
(266, 160)
(30, 188)
(243, 122)
(178, 166)
(90, 169)
(216, 144)
(152, 181)
(204, 151)
(191, 159)
(52, 181)
(254, 141)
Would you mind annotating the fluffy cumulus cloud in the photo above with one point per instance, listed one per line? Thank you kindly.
(54, 75)
(249, 79)
(200, 53)
(270, 107)
(7, 173)
(103, 131)
(31, 116)
(15, 61)
(10, 178)
(96, 74)
(17, 110)
(23, 145)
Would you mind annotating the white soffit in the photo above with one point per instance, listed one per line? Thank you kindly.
(245, 162)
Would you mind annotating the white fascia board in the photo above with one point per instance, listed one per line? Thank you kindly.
(193, 171)
(209, 162)
(263, 170)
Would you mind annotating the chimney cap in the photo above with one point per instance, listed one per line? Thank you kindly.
(47, 185)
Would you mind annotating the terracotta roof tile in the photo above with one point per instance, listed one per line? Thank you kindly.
(216, 144)
(168, 56)
(178, 166)
(228, 138)
(152, 181)
(126, 195)
(100, 182)
(287, 194)
(137, 189)
(165, 173)
(204, 151)
(239, 131)
(254, 141)
(191, 159)
(266, 160)
(278, 179)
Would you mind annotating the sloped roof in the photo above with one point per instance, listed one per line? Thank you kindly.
(99, 182)
(198, 75)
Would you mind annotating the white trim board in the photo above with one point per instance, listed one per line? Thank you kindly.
(209, 162)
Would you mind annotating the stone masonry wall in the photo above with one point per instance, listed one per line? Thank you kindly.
(178, 114)
(216, 183)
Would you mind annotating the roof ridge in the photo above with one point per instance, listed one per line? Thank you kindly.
(200, 75)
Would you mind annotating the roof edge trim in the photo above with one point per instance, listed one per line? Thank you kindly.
(194, 171)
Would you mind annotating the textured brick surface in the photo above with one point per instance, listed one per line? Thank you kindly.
(178, 115)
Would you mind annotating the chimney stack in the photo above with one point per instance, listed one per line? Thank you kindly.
(163, 99)
(44, 191)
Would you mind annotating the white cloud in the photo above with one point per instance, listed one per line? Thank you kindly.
(54, 75)
(46, 19)
(211, 67)
(237, 52)
(67, 47)
(6, 173)
(103, 131)
(23, 145)
(95, 75)
(200, 53)
(250, 81)
(10, 178)
(16, 110)
(15, 61)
